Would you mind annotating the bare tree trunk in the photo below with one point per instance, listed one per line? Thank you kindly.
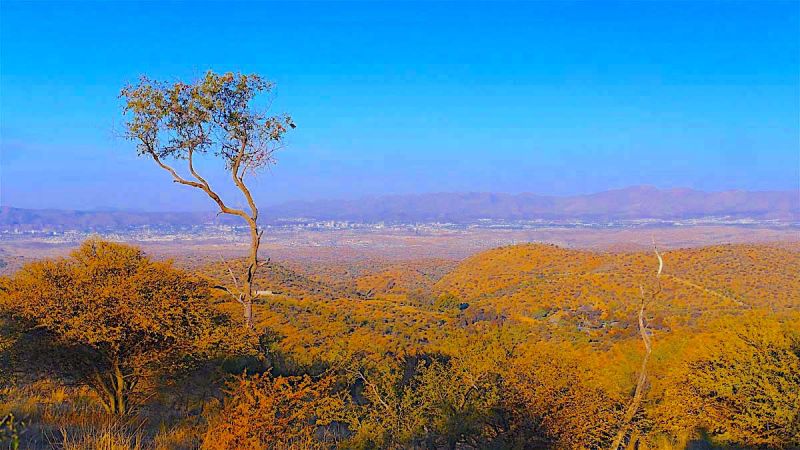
(633, 407)
(252, 266)
(245, 294)
(636, 401)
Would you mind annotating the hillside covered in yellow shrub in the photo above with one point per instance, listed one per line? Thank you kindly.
(524, 346)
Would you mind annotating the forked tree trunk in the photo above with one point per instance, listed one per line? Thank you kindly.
(113, 390)
(245, 294)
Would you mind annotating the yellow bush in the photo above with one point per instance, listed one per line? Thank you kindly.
(262, 412)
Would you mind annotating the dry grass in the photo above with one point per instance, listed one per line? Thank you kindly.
(105, 437)
(179, 437)
(69, 418)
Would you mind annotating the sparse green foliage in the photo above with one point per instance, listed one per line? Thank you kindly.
(212, 115)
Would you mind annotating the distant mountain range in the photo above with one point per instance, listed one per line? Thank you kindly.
(629, 203)
(640, 202)
(58, 219)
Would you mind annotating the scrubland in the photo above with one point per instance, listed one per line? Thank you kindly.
(521, 346)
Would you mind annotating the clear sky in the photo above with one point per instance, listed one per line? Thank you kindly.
(552, 98)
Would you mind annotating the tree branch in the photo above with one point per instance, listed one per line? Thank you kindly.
(179, 179)
(194, 173)
(238, 180)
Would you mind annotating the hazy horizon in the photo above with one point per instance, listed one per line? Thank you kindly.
(323, 199)
(549, 98)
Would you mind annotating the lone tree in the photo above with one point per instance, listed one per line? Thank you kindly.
(212, 115)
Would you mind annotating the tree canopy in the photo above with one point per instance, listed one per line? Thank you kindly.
(123, 317)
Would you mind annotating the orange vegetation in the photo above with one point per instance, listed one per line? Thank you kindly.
(526, 346)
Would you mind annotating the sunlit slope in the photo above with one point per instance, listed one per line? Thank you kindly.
(494, 272)
(547, 291)
(599, 293)
(754, 275)
(407, 278)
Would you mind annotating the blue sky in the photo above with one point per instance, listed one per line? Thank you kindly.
(405, 97)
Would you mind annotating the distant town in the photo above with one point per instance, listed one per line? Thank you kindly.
(232, 233)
